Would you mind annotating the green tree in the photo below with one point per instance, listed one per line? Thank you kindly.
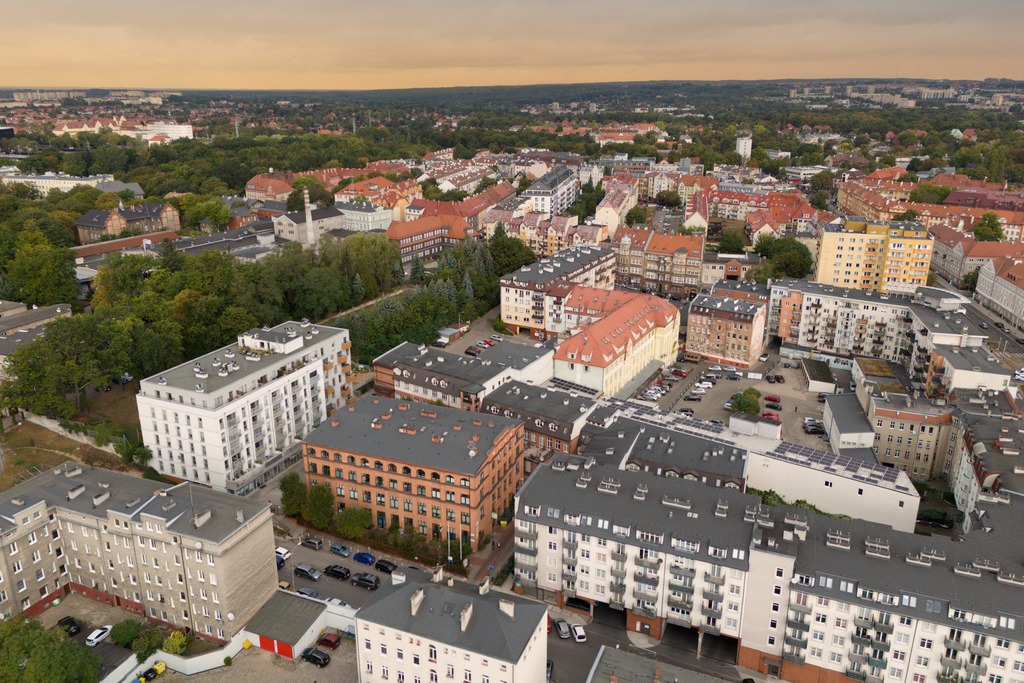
(358, 291)
(971, 279)
(765, 244)
(822, 182)
(908, 215)
(293, 494)
(508, 253)
(745, 403)
(668, 198)
(125, 632)
(175, 643)
(988, 229)
(318, 509)
(795, 263)
(31, 654)
(41, 274)
(417, 272)
(732, 242)
(819, 201)
(637, 214)
(147, 643)
(352, 522)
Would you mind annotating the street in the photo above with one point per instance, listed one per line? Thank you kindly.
(1001, 340)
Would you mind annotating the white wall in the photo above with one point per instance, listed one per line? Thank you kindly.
(758, 599)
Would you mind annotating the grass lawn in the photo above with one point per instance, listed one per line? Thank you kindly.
(199, 646)
(31, 449)
(117, 406)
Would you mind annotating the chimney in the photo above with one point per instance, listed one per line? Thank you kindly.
(485, 586)
(100, 497)
(309, 210)
(438, 575)
(416, 600)
(202, 518)
(464, 617)
(239, 515)
(508, 607)
(77, 491)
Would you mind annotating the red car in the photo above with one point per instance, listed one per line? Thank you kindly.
(329, 640)
(679, 373)
(773, 399)
(771, 416)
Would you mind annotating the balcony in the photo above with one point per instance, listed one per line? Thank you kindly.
(526, 550)
(873, 679)
(882, 645)
(798, 625)
(683, 571)
(569, 559)
(976, 669)
(711, 630)
(618, 557)
(803, 609)
(569, 574)
(948, 678)
(646, 579)
(647, 563)
(983, 650)
(676, 601)
(711, 612)
(949, 663)
(875, 662)
(617, 588)
(858, 657)
(617, 604)
(793, 641)
(710, 594)
(681, 587)
(570, 545)
(678, 619)
(861, 640)
(856, 675)
(528, 535)
(792, 658)
(640, 594)
(957, 645)
(711, 578)
(529, 563)
(861, 622)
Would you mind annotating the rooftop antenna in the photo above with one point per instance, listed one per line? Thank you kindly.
(236, 127)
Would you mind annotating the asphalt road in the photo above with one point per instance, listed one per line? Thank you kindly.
(978, 314)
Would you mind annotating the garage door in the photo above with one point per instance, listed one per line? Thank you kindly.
(267, 644)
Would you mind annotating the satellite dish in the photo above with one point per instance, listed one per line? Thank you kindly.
(231, 616)
(199, 545)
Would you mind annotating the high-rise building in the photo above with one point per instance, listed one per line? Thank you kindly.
(890, 256)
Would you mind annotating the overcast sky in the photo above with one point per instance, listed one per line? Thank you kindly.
(320, 44)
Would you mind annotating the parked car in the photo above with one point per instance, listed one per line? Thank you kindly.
(705, 385)
(1019, 340)
(692, 397)
(99, 634)
(338, 572)
(821, 398)
(773, 398)
(69, 625)
(773, 405)
(308, 571)
(385, 566)
(329, 640)
(314, 543)
(283, 553)
(735, 377)
(471, 352)
(1000, 326)
(364, 558)
(562, 627)
(578, 634)
(698, 391)
(728, 368)
(716, 422)
(482, 344)
(770, 416)
(550, 670)
(714, 367)
(983, 326)
(764, 357)
(315, 656)
(687, 412)
(780, 379)
(770, 379)
(812, 421)
(497, 337)
(439, 344)
(370, 582)
(280, 561)
(814, 430)
(309, 593)
(336, 602)
(339, 549)
(679, 373)
(578, 603)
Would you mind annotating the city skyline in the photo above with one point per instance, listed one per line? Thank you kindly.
(461, 44)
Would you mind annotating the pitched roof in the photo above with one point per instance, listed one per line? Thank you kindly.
(457, 227)
(602, 342)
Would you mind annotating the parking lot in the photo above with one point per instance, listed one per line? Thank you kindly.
(91, 614)
(797, 402)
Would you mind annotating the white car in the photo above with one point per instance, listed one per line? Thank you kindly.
(578, 634)
(812, 421)
(715, 368)
(705, 385)
(283, 553)
(98, 635)
(698, 391)
(336, 602)
(764, 357)
(496, 337)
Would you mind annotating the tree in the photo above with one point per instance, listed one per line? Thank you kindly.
(822, 181)
(637, 214)
(417, 272)
(358, 291)
(742, 402)
(732, 242)
(819, 201)
(508, 253)
(318, 509)
(668, 198)
(41, 274)
(988, 229)
(908, 215)
(175, 643)
(971, 279)
(352, 522)
(765, 244)
(125, 632)
(147, 644)
(794, 263)
(293, 494)
(467, 286)
(31, 654)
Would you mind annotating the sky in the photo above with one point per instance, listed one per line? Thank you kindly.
(332, 45)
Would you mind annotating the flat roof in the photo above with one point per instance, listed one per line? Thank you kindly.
(557, 267)
(613, 664)
(972, 358)
(475, 371)
(818, 371)
(286, 617)
(847, 414)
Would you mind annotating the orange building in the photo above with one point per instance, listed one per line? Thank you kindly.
(442, 472)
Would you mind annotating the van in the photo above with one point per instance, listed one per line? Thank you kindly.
(314, 543)
(308, 571)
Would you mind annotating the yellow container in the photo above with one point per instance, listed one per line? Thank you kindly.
(160, 667)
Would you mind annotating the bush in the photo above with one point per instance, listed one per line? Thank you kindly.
(227, 661)
(147, 644)
(175, 643)
(499, 326)
(124, 632)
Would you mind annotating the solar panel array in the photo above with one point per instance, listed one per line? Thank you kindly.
(564, 385)
(838, 464)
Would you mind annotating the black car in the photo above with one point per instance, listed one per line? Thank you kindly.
(280, 561)
(315, 656)
(149, 674)
(780, 379)
(385, 566)
(812, 429)
(692, 397)
(1019, 340)
(774, 406)
(578, 603)
(69, 625)
(366, 580)
(338, 572)
(471, 352)
(734, 377)
(687, 412)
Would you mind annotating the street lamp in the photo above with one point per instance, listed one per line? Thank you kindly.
(294, 559)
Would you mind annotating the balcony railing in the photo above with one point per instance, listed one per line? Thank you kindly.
(644, 595)
(678, 619)
(646, 579)
(711, 612)
(711, 578)
(618, 557)
(676, 601)
(528, 535)
(957, 645)
(876, 662)
(983, 650)
(793, 641)
(949, 663)
(803, 609)
(798, 625)
(570, 545)
(647, 562)
(681, 587)
(793, 658)
(856, 675)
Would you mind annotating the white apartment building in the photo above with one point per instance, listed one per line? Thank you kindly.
(182, 556)
(744, 147)
(235, 417)
(554, 192)
(442, 630)
(54, 181)
(806, 597)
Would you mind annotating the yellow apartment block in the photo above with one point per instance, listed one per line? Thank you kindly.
(884, 256)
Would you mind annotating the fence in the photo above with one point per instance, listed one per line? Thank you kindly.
(55, 426)
(187, 665)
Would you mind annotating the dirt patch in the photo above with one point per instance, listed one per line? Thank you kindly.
(31, 449)
(117, 405)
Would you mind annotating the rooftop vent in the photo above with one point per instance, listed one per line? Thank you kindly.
(202, 518)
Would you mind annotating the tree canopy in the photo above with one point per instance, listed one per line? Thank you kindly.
(31, 654)
(732, 242)
(988, 229)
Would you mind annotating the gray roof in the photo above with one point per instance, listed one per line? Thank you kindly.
(32, 317)
(299, 217)
(725, 304)
(490, 632)
(118, 186)
(10, 342)
(847, 414)
(975, 358)
(524, 398)
(723, 287)
(550, 180)
(473, 371)
(865, 454)
(818, 370)
(133, 496)
(558, 267)
(286, 617)
(422, 435)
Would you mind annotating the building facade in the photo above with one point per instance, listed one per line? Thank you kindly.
(891, 256)
(425, 238)
(661, 264)
(235, 417)
(438, 471)
(182, 556)
(729, 330)
(554, 192)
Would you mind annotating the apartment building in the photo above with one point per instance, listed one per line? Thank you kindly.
(234, 418)
(554, 192)
(425, 238)
(740, 289)
(729, 330)
(1001, 289)
(182, 556)
(661, 264)
(554, 420)
(146, 218)
(53, 181)
(957, 253)
(634, 340)
(364, 216)
(544, 236)
(715, 266)
(891, 256)
(804, 597)
(442, 472)
(523, 293)
(450, 631)
(413, 371)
